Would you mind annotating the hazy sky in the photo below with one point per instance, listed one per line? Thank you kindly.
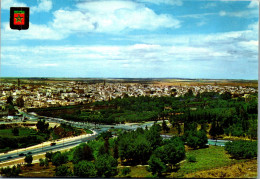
(135, 39)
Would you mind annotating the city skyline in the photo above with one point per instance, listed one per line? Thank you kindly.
(132, 39)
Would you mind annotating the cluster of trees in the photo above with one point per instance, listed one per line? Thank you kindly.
(147, 147)
(7, 143)
(242, 149)
(99, 158)
(11, 171)
(85, 162)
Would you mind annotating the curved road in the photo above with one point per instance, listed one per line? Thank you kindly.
(102, 128)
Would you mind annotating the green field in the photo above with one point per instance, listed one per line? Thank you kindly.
(23, 132)
(208, 158)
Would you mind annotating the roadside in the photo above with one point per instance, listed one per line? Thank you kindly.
(41, 155)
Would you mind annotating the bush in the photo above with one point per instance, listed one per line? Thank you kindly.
(242, 149)
(41, 162)
(59, 158)
(49, 155)
(28, 159)
(191, 158)
(156, 165)
(125, 171)
(11, 172)
(85, 169)
(196, 139)
(63, 171)
(106, 166)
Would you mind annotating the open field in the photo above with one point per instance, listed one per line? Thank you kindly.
(240, 170)
(155, 81)
(208, 158)
(23, 132)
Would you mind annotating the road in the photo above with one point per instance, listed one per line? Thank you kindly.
(65, 144)
(43, 149)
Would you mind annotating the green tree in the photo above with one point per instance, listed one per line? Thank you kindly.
(106, 166)
(11, 172)
(49, 155)
(242, 149)
(63, 171)
(46, 163)
(156, 165)
(41, 162)
(82, 152)
(42, 126)
(59, 158)
(252, 131)
(172, 152)
(125, 171)
(28, 159)
(15, 131)
(165, 127)
(85, 169)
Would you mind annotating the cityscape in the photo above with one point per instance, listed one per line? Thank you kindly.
(129, 89)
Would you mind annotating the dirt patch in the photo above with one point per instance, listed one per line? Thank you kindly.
(37, 171)
(241, 170)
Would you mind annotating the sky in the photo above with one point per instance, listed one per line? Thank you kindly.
(132, 39)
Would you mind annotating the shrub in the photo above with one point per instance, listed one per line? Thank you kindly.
(191, 158)
(242, 149)
(125, 171)
(41, 162)
(63, 170)
(28, 159)
(11, 172)
(85, 169)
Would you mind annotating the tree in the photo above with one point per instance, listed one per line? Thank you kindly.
(15, 131)
(42, 126)
(252, 131)
(63, 171)
(242, 149)
(59, 158)
(196, 139)
(46, 163)
(165, 127)
(115, 154)
(203, 139)
(85, 169)
(82, 152)
(41, 162)
(172, 152)
(156, 165)
(106, 166)
(49, 155)
(125, 171)
(213, 130)
(28, 159)
(11, 172)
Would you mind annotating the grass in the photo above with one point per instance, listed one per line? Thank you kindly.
(88, 131)
(208, 158)
(23, 132)
(246, 169)
(136, 172)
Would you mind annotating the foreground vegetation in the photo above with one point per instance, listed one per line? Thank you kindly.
(18, 136)
(140, 153)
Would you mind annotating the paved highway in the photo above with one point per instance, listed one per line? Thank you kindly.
(65, 144)
(44, 149)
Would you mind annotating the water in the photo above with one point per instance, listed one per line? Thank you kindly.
(218, 142)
